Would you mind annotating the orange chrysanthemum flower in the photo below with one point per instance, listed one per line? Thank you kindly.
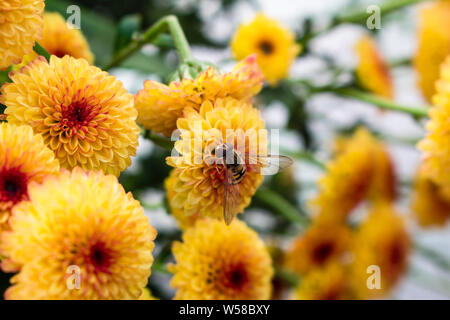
(84, 115)
(24, 158)
(320, 245)
(60, 39)
(160, 106)
(382, 241)
(433, 45)
(274, 45)
(21, 25)
(80, 236)
(362, 169)
(429, 205)
(216, 262)
(199, 186)
(372, 71)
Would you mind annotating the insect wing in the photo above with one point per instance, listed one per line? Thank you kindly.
(271, 164)
(230, 198)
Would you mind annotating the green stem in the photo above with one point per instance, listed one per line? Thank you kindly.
(158, 267)
(168, 23)
(418, 112)
(432, 256)
(152, 206)
(361, 16)
(282, 206)
(41, 51)
(159, 140)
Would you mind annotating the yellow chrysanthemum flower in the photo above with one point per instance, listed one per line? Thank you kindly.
(362, 168)
(428, 204)
(216, 262)
(79, 226)
(320, 245)
(433, 44)
(274, 45)
(199, 186)
(184, 221)
(329, 283)
(435, 145)
(382, 241)
(60, 39)
(21, 25)
(84, 115)
(372, 71)
(159, 106)
(23, 159)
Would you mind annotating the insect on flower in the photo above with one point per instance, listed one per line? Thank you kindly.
(236, 166)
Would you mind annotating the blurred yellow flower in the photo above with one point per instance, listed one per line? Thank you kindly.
(216, 262)
(23, 159)
(436, 145)
(372, 71)
(60, 39)
(433, 44)
(21, 25)
(198, 186)
(328, 283)
(274, 45)
(78, 224)
(382, 241)
(84, 115)
(159, 106)
(362, 168)
(430, 207)
(184, 221)
(321, 244)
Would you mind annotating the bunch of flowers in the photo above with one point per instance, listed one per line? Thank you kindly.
(70, 229)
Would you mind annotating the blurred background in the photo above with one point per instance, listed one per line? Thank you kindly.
(209, 25)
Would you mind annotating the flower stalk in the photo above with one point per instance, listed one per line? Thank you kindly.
(418, 112)
(41, 51)
(168, 23)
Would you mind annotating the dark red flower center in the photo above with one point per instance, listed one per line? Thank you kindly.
(237, 277)
(77, 115)
(100, 257)
(397, 254)
(13, 185)
(266, 47)
(322, 252)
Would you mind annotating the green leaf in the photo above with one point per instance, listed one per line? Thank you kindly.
(127, 28)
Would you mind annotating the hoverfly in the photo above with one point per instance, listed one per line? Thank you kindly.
(235, 171)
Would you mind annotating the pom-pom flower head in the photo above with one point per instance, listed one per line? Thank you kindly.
(216, 262)
(84, 115)
(433, 45)
(372, 71)
(382, 241)
(24, 158)
(199, 185)
(436, 145)
(21, 25)
(60, 39)
(274, 45)
(160, 106)
(82, 221)
(318, 246)
(362, 168)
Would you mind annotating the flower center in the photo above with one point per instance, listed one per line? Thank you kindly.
(76, 115)
(59, 53)
(100, 257)
(266, 47)
(237, 277)
(322, 252)
(13, 186)
(397, 254)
